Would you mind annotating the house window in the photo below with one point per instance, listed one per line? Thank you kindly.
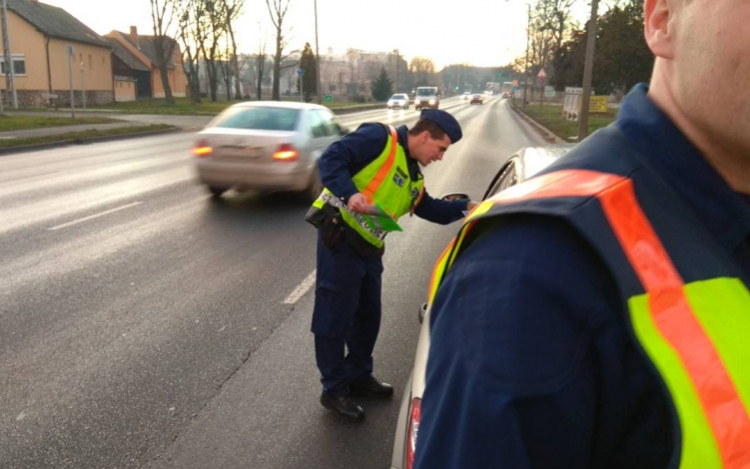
(19, 64)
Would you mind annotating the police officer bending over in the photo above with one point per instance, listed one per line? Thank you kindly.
(375, 164)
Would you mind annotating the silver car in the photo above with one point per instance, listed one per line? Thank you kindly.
(398, 100)
(522, 165)
(265, 147)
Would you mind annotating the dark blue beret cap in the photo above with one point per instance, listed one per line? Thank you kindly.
(445, 121)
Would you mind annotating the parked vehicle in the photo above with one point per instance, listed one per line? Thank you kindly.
(266, 147)
(522, 165)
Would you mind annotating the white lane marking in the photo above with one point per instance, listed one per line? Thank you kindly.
(91, 217)
(301, 289)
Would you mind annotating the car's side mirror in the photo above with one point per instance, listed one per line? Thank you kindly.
(456, 196)
(422, 312)
(343, 130)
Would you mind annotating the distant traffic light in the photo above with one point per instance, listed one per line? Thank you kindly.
(457, 88)
(500, 74)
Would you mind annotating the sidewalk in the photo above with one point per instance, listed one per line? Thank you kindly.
(47, 131)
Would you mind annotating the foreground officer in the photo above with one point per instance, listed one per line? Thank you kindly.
(596, 316)
(376, 163)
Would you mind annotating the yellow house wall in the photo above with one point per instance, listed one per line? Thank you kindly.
(124, 90)
(25, 39)
(176, 77)
(97, 63)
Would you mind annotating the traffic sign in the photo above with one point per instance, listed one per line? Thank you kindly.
(328, 98)
(540, 80)
(541, 74)
(300, 71)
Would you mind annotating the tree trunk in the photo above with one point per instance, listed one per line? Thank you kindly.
(275, 96)
(261, 68)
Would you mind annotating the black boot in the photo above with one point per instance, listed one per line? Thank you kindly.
(370, 387)
(344, 406)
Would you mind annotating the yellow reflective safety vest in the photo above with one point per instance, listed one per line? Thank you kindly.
(385, 180)
(687, 304)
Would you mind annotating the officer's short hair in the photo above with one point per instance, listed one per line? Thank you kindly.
(425, 125)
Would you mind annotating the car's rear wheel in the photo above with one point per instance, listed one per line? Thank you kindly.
(216, 191)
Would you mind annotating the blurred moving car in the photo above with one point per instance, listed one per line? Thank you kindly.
(266, 147)
(507, 94)
(519, 167)
(427, 96)
(476, 99)
(398, 100)
(467, 96)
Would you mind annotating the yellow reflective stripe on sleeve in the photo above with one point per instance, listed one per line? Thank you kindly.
(699, 450)
(722, 306)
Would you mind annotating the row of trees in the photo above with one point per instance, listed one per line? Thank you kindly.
(558, 45)
(205, 30)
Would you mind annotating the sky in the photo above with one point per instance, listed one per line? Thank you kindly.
(478, 32)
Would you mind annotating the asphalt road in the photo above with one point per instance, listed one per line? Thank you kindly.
(144, 325)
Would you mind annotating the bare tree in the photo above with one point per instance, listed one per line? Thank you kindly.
(278, 13)
(189, 29)
(213, 31)
(260, 67)
(232, 10)
(162, 14)
(226, 66)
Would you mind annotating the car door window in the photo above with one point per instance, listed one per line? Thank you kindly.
(504, 178)
(330, 123)
(317, 125)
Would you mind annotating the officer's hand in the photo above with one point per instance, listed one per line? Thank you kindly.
(470, 206)
(357, 203)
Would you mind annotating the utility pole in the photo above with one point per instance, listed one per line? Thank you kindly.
(10, 86)
(317, 55)
(398, 65)
(588, 71)
(526, 63)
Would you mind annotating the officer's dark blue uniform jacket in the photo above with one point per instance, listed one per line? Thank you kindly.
(554, 379)
(347, 157)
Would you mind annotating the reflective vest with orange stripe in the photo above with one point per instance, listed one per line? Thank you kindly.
(385, 180)
(688, 307)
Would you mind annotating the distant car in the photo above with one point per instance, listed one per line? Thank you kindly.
(522, 165)
(467, 96)
(476, 99)
(427, 96)
(507, 94)
(399, 100)
(266, 147)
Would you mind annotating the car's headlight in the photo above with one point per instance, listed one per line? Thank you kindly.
(432, 101)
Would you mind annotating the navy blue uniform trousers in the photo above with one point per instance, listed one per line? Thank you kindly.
(346, 315)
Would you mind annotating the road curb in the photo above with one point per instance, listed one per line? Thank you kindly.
(546, 134)
(78, 141)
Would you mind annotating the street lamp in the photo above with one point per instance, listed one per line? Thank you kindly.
(317, 54)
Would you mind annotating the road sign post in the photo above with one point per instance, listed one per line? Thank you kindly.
(329, 98)
(71, 52)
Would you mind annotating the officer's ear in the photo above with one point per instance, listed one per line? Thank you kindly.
(658, 16)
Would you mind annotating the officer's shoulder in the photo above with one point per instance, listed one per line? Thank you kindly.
(372, 130)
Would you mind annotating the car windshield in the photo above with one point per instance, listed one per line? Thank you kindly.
(259, 118)
(426, 92)
(477, 96)
(398, 96)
